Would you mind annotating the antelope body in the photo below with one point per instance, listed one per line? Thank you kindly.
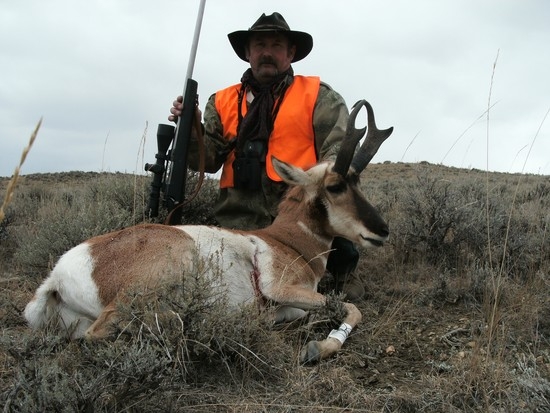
(282, 263)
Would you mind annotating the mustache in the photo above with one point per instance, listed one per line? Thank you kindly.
(267, 60)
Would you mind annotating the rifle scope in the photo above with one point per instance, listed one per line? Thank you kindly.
(165, 135)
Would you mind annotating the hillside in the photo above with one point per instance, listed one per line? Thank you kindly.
(456, 318)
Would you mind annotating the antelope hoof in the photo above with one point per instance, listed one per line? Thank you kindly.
(310, 353)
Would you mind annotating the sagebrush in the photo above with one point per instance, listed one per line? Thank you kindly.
(455, 318)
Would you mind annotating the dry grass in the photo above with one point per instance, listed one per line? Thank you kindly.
(13, 181)
(450, 323)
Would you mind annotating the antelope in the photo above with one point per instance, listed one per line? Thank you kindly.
(281, 264)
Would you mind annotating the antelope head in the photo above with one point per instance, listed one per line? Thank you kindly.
(333, 189)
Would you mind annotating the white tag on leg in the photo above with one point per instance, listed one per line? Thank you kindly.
(342, 333)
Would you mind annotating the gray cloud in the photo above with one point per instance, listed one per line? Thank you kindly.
(99, 71)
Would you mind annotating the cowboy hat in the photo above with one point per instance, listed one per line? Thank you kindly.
(273, 23)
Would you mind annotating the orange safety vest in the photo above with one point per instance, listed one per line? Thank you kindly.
(292, 139)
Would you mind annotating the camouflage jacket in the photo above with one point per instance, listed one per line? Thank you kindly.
(245, 209)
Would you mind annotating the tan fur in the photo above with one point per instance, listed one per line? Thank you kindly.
(140, 255)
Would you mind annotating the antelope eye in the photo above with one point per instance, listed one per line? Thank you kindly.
(337, 188)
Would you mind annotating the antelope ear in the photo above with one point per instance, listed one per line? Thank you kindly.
(290, 174)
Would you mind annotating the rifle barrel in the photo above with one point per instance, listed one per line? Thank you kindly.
(194, 45)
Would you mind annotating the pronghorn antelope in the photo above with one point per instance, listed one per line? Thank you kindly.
(282, 263)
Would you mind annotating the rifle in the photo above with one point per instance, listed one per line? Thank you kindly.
(170, 168)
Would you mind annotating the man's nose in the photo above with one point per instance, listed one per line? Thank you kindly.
(266, 52)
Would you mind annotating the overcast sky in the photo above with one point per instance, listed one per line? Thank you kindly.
(99, 71)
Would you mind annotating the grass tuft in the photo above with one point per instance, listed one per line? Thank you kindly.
(13, 181)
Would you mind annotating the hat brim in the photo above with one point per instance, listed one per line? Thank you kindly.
(302, 40)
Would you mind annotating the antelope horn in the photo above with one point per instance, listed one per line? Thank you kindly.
(350, 141)
(372, 142)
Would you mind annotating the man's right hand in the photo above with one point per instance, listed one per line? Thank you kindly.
(176, 109)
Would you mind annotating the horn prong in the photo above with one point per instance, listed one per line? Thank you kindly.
(375, 138)
(350, 141)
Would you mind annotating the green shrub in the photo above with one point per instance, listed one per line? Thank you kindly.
(456, 223)
(460, 294)
(439, 224)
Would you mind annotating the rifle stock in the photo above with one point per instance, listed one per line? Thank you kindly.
(170, 169)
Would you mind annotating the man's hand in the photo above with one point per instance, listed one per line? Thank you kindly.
(177, 108)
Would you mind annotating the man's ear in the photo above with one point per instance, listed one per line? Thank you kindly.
(292, 51)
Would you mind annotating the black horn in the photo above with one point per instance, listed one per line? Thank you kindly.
(350, 141)
(372, 142)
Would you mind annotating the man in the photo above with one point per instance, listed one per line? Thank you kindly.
(298, 119)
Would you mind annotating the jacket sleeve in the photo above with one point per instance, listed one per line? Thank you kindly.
(330, 118)
(216, 146)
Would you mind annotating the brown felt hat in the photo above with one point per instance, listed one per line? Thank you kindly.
(273, 23)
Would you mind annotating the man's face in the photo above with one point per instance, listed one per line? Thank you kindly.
(269, 54)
